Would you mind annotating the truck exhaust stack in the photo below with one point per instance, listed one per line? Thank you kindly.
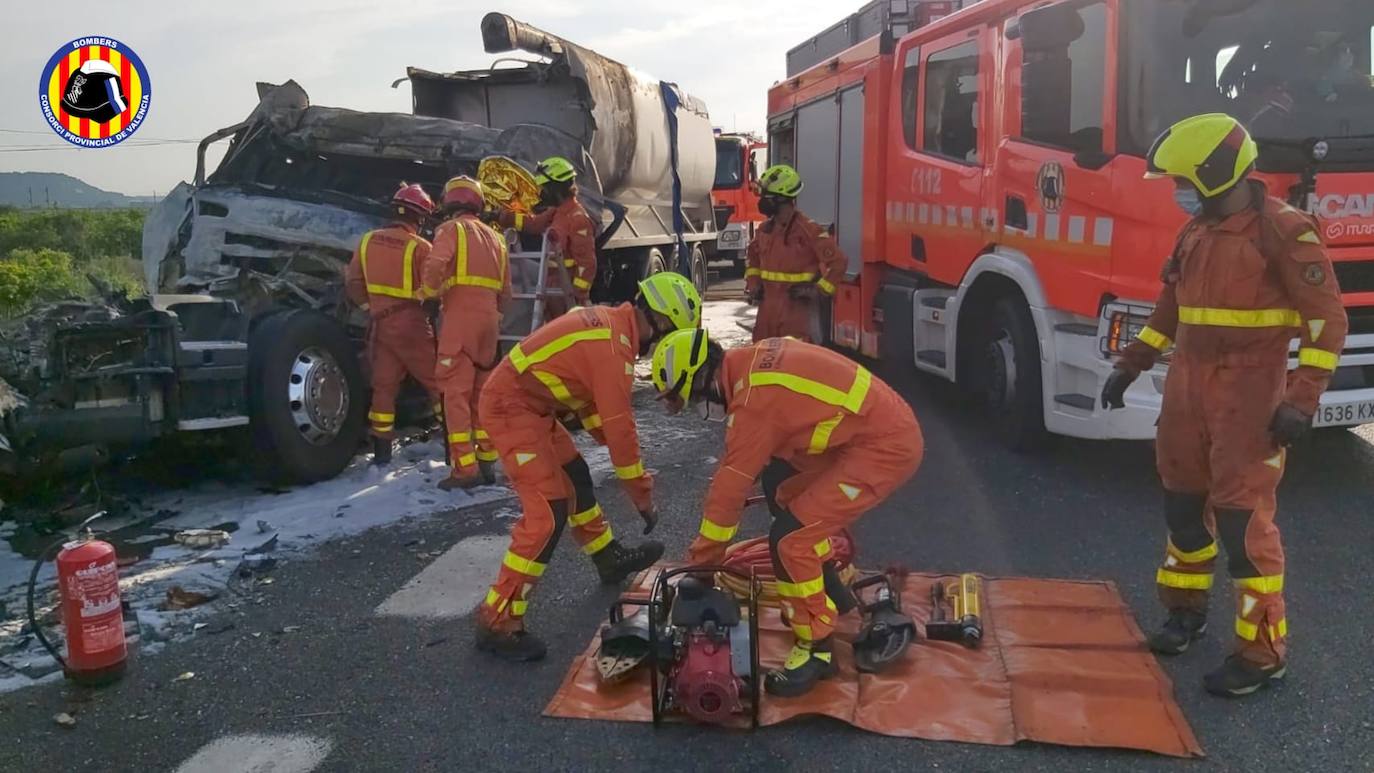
(501, 33)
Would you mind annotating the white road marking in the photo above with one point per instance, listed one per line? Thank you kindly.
(453, 584)
(259, 754)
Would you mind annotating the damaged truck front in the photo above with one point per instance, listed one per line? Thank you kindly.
(247, 326)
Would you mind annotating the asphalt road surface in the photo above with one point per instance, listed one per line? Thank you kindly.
(335, 685)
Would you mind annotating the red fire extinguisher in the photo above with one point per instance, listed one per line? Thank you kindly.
(88, 584)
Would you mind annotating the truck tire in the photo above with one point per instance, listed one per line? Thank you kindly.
(1011, 375)
(306, 395)
(699, 269)
(654, 263)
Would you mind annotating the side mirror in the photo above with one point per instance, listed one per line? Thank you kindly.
(1047, 29)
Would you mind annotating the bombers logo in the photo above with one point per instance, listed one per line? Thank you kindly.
(94, 92)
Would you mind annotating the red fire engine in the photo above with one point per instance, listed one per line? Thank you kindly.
(983, 170)
(740, 158)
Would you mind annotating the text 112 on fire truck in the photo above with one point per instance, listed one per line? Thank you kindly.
(983, 168)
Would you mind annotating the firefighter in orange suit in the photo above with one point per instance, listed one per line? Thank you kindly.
(383, 278)
(792, 262)
(572, 237)
(1248, 275)
(830, 441)
(467, 269)
(579, 365)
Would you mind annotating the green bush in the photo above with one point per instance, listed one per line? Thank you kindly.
(46, 255)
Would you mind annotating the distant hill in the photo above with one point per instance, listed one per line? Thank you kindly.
(50, 189)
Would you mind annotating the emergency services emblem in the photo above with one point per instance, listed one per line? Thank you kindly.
(1050, 185)
(95, 92)
(1314, 274)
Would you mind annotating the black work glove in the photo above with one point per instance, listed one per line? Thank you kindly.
(1114, 391)
(571, 422)
(1289, 425)
(754, 297)
(650, 517)
(804, 291)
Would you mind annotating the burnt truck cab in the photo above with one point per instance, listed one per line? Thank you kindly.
(258, 247)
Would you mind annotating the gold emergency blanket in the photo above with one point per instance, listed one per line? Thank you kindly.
(506, 183)
(1062, 662)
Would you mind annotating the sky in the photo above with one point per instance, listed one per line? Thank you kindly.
(204, 59)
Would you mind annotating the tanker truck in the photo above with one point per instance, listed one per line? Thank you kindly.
(246, 330)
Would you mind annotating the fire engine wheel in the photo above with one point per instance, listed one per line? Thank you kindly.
(654, 263)
(699, 269)
(307, 396)
(1011, 378)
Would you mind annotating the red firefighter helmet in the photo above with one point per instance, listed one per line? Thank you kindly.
(463, 192)
(412, 199)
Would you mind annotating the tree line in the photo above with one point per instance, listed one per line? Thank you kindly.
(53, 255)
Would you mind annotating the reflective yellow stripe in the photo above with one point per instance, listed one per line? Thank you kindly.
(581, 283)
(522, 361)
(826, 286)
(460, 271)
(482, 435)
(778, 276)
(801, 589)
(558, 389)
(1270, 584)
(407, 288)
(1279, 631)
(488, 456)
(1318, 358)
(822, 548)
(1183, 581)
(717, 533)
(460, 437)
(467, 460)
(591, 422)
(1246, 630)
(748, 272)
(375, 416)
(803, 633)
(524, 565)
(569, 263)
(1197, 556)
(519, 221)
(630, 471)
(586, 516)
(852, 400)
(599, 544)
(1194, 315)
(1155, 338)
(518, 608)
(495, 599)
(820, 436)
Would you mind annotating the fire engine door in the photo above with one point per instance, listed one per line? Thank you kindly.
(937, 189)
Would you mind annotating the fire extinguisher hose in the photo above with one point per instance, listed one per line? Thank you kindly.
(33, 618)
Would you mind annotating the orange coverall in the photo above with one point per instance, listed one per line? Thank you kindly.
(572, 239)
(468, 268)
(852, 439)
(384, 279)
(784, 256)
(582, 362)
(1236, 293)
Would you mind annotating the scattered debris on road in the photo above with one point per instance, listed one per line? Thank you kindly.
(185, 676)
(180, 598)
(63, 719)
(202, 538)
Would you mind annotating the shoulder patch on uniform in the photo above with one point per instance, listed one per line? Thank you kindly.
(1310, 237)
(1314, 274)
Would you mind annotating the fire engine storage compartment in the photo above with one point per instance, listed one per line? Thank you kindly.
(616, 127)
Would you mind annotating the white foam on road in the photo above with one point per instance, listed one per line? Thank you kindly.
(259, 754)
(452, 585)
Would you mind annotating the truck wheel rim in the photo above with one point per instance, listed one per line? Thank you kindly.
(317, 392)
(1002, 372)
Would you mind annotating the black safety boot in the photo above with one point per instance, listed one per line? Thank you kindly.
(615, 562)
(381, 451)
(1183, 627)
(518, 646)
(806, 665)
(488, 470)
(1238, 677)
(456, 482)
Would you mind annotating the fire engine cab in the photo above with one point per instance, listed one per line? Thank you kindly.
(983, 168)
(740, 159)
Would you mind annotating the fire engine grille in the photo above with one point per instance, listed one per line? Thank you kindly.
(1355, 276)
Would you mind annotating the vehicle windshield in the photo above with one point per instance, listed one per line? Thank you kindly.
(729, 164)
(1288, 70)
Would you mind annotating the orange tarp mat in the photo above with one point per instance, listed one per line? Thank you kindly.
(1062, 662)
